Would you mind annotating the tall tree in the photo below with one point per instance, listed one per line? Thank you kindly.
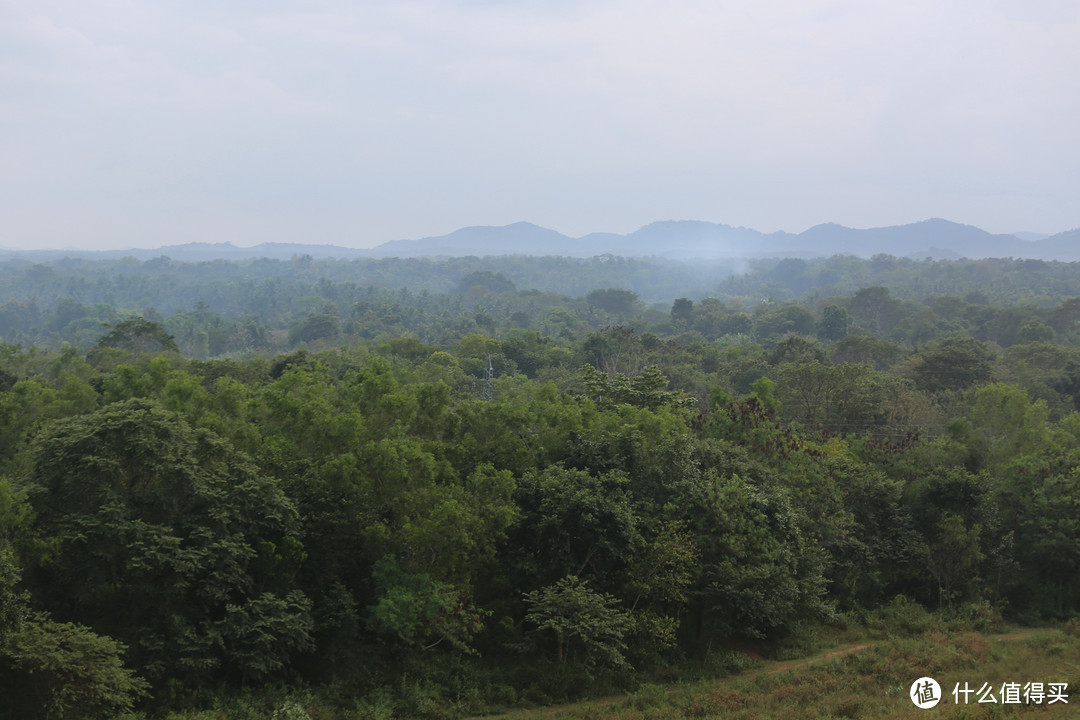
(169, 540)
(138, 335)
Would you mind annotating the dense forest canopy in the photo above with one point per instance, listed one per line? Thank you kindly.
(217, 307)
(424, 487)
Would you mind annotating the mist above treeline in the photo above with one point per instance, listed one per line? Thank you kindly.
(218, 307)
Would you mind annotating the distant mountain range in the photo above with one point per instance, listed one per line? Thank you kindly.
(679, 240)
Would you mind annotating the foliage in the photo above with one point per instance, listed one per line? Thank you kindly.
(50, 669)
(136, 335)
(589, 627)
(757, 571)
(160, 530)
(645, 390)
(519, 477)
(951, 364)
(575, 523)
(620, 303)
(416, 608)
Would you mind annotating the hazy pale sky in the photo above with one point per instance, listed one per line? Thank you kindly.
(136, 124)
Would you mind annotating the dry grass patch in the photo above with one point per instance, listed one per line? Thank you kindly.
(871, 682)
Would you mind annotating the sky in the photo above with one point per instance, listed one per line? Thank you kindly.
(348, 122)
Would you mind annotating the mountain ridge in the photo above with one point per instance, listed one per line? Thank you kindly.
(674, 239)
(697, 239)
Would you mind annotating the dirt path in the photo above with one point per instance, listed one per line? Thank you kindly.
(779, 667)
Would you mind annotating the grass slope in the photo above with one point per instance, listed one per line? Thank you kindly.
(860, 680)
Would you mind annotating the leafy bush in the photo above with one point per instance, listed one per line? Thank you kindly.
(50, 669)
